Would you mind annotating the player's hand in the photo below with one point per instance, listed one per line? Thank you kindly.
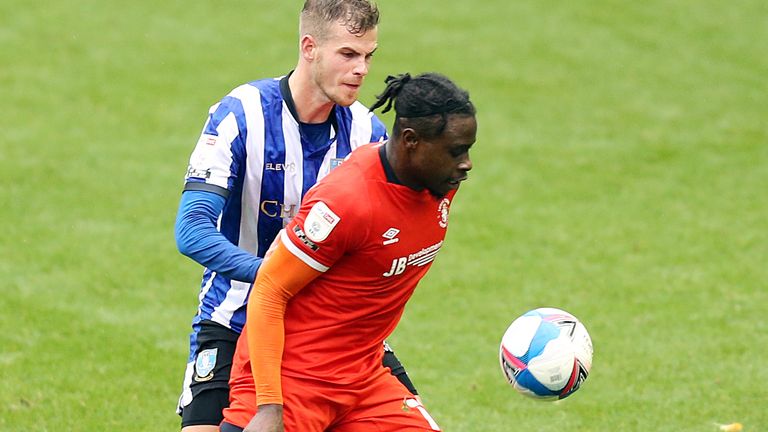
(269, 418)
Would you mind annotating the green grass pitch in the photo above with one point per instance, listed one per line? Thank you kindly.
(621, 173)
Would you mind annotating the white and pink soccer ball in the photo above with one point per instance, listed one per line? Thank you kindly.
(546, 354)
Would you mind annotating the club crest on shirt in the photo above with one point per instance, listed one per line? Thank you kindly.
(320, 222)
(335, 162)
(442, 210)
(204, 364)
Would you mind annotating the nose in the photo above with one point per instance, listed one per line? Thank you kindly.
(361, 67)
(465, 164)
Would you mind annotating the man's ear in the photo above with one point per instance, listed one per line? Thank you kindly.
(308, 47)
(410, 138)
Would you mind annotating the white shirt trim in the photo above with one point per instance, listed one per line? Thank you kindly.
(300, 254)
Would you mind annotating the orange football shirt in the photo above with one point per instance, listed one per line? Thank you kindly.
(373, 240)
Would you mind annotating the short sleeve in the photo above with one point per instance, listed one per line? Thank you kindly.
(328, 225)
(220, 150)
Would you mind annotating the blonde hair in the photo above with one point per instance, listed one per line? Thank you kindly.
(358, 16)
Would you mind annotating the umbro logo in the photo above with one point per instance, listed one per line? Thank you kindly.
(391, 236)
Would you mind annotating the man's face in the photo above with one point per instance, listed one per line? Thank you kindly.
(441, 163)
(341, 63)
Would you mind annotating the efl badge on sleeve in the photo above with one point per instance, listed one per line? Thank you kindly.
(320, 222)
(204, 364)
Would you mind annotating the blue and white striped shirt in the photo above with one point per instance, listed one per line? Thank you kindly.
(254, 152)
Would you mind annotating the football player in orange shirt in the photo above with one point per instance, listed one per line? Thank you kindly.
(342, 271)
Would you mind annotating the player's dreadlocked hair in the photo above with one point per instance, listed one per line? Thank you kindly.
(423, 102)
(358, 16)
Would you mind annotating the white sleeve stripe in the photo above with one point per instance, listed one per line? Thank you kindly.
(300, 254)
(221, 157)
(294, 157)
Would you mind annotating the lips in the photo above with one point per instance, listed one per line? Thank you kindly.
(454, 184)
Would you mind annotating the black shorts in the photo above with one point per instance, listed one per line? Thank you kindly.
(209, 386)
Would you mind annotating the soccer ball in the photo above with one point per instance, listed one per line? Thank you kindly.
(546, 354)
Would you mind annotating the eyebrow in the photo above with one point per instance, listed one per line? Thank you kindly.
(463, 148)
(357, 51)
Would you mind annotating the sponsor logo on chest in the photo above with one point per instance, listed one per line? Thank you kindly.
(423, 256)
(280, 166)
(417, 259)
(274, 208)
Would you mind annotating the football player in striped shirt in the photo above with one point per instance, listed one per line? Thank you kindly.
(309, 358)
(262, 147)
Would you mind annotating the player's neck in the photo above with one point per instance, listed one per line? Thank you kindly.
(312, 106)
(396, 161)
